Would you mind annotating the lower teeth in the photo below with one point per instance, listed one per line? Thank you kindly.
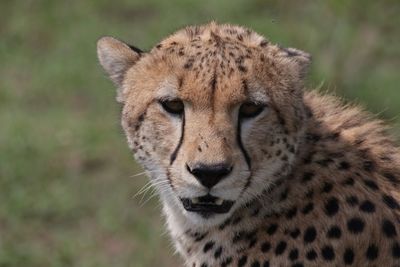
(218, 202)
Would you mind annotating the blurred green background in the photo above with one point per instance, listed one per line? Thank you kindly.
(66, 174)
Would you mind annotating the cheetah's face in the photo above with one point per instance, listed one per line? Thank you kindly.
(207, 117)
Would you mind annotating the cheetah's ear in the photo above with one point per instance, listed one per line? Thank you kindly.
(116, 58)
(300, 59)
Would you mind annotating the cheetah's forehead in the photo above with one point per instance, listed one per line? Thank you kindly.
(213, 33)
(213, 60)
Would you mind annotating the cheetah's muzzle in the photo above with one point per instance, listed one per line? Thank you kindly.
(207, 204)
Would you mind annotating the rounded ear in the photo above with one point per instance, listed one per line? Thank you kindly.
(116, 57)
(300, 59)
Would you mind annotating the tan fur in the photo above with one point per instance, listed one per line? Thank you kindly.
(313, 164)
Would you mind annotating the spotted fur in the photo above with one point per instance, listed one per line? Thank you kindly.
(314, 182)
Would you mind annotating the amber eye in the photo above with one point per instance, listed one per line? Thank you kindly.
(250, 110)
(174, 106)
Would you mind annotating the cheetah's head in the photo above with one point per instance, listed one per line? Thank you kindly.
(214, 114)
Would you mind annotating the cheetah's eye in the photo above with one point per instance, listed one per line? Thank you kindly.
(174, 106)
(250, 110)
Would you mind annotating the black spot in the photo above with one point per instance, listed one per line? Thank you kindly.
(294, 254)
(334, 232)
(255, 264)
(272, 229)
(295, 233)
(367, 206)
(198, 236)
(265, 247)
(224, 224)
(209, 245)
(307, 176)
(313, 137)
(188, 65)
(284, 195)
(218, 252)
(352, 200)
(368, 166)
(333, 136)
(203, 264)
(266, 263)
(348, 256)
(311, 255)
(252, 242)
(226, 262)
(327, 253)
(263, 43)
(236, 220)
(324, 162)
(390, 202)
(309, 193)
(238, 236)
(332, 206)
(391, 177)
(348, 182)
(298, 264)
(344, 165)
(310, 234)
(371, 184)
(388, 228)
(242, 68)
(280, 248)
(255, 212)
(242, 261)
(355, 225)
(251, 235)
(396, 250)
(291, 213)
(327, 187)
(372, 252)
(308, 208)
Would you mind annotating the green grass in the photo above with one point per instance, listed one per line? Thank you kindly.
(66, 185)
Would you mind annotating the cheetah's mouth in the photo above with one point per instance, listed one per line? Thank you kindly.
(207, 204)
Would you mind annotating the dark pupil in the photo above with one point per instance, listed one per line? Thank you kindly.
(250, 110)
(173, 106)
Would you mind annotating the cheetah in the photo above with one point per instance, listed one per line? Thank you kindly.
(252, 169)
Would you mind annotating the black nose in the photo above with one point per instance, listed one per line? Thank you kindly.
(209, 175)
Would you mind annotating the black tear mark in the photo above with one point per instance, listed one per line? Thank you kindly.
(175, 153)
(239, 140)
